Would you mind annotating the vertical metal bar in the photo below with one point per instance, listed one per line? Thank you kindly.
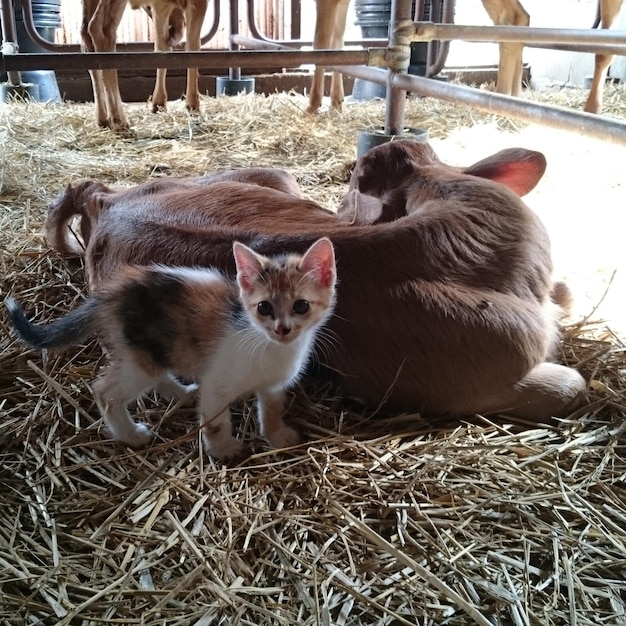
(254, 29)
(234, 73)
(9, 36)
(396, 98)
(214, 25)
(447, 17)
(296, 19)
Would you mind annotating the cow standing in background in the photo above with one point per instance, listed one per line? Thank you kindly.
(101, 19)
(607, 13)
(331, 23)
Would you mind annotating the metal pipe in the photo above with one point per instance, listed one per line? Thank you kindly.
(555, 117)
(234, 73)
(266, 44)
(9, 38)
(597, 126)
(214, 26)
(426, 31)
(356, 71)
(135, 46)
(256, 33)
(444, 46)
(370, 74)
(620, 50)
(396, 96)
(277, 44)
(169, 60)
(29, 25)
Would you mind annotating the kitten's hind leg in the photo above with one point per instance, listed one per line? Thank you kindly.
(169, 387)
(215, 422)
(270, 409)
(123, 382)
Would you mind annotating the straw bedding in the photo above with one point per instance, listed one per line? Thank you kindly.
(376, 520)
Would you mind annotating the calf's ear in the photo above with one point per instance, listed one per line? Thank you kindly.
(517, 168)
(358, 209)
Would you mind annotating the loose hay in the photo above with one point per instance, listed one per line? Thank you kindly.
(393, 520)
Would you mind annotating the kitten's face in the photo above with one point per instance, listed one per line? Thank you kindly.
(287, 296)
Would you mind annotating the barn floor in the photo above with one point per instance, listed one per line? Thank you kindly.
(393, 520)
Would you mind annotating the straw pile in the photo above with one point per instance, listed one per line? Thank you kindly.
(393, 520)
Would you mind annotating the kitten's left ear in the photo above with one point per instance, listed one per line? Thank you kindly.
(319, 260)
(249, 264)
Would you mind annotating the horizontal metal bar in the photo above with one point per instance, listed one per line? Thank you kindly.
(428, 31)
(168, 60)
(377, 57)
(276, 44)
(598, 49)
(556, 117)
(588, 124)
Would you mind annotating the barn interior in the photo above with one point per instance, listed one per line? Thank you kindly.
(378, 518)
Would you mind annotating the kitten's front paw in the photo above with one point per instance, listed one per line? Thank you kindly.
(223, 449)
(283, 437)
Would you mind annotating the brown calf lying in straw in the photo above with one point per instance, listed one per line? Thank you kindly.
(330, 26)
(443, 302)
(99, 29)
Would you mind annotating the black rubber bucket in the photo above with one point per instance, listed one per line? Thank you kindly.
(369, 139)
(47, 18)
(373, 16)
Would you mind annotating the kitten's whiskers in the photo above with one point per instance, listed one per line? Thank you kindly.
(251, 340)
(326, 341)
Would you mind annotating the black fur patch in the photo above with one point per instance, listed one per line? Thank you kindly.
(147, 319)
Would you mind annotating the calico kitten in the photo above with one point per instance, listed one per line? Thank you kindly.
(234, 338)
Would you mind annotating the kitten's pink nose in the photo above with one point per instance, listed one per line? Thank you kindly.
(281, 330)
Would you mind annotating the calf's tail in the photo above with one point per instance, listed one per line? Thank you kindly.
(68, 330)
(79, 200)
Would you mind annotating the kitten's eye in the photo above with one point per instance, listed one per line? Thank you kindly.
(264, 308)
(300, 307)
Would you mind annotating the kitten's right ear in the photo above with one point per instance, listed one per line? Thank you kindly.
(249, 264)
(359, 209)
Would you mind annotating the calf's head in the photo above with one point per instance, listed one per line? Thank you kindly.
(397, 178)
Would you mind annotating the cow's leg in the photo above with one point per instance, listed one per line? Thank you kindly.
(336, 81)
(89, 8)
(508, 13)
(196, 10)
(163, 43)
(548, 390)
(609, 10)
(325, 12)
(99, 32)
